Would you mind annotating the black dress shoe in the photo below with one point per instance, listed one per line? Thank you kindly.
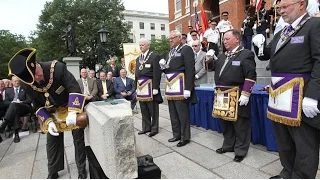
(16, 138)
(183, 143)
(174, 139)
(152, 134)
(222, 150)
(276, 177)
(238, 158)
(1, 139)
(53, 176)
(82, 176)
(143, 132)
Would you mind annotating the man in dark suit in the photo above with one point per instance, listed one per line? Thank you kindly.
(57, 98)
(180, 75)
(247, 32)
(148, 76)
(125, 88)
(105, 87)
(235, 75)
(112, 67)
(294, 55)
(19, 104)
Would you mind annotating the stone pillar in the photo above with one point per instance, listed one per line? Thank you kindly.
(73, 65)
(110, 134)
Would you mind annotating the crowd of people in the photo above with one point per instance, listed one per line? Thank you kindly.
(53, 93)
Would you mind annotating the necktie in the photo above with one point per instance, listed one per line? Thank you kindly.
(104, 86)
(85, 88)
(16, 94)
(172, 52)
(195, 55)
(142, 57)
(288, 30)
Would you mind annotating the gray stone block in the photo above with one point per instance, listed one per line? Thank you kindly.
(234, 170)
(70, 154)
(164, 122)
(273, 168)
(175, 166)
(146, 145)
(40, 169)
(163, 107)
(163, 137)
(202, 155)
(42, 139)
(193, 130)
(26, 144)
(208, 140)
(68, 141)
(41, 153)
(137, 123)
(17, 166)
(4, 146)
(257, 158)
(164, 114)
(111, 136)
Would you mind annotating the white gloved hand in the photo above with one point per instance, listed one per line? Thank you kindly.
(186, 94)
(267, 30)
(196, 76)
(243, 100)
(162, 64)
(155, 91)
(71, 118)
(52, 129)
(310, 107)
(258, 40)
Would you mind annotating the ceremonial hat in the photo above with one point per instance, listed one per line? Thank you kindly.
(23, 65)
(193, 31)
(225, 13)
(213, 22)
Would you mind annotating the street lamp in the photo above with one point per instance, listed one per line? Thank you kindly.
(103, 32)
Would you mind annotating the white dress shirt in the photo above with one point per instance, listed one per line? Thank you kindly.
(212, 35)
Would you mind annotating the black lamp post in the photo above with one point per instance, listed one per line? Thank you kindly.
(103, 33)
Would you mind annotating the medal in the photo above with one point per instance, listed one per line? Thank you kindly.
(140, 67)
(143, 61)
(46, 94)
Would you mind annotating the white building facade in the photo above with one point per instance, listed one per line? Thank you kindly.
(147, 25)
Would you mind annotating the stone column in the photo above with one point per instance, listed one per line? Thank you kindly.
(73, 65)
(110, 134)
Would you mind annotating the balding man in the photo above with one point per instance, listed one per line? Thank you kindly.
(178, 66)
(88, 86)
(148, 76)
(125, 88)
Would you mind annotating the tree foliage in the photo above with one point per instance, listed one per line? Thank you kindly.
(9, 45)
(87, 17)
(160, 46)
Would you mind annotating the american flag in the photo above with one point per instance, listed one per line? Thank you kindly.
(197, 22)
(258, 5)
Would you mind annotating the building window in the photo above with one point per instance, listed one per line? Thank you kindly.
(189, 23)
(163, 36)
(178, 5)
(130, 24)
(152, 26)
(187, 6)
(131, 36)
(153, 36)
(141, 24)
(142, 36)
(179, 28)
(163, 27)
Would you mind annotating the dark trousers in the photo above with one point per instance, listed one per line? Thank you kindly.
(298, 150)
(247, 42)
(55, 152)
(150, 115)
(180, 119)
(131, 98)
(237, 135)
(14, 112)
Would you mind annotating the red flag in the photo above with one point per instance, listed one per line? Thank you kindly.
(204, 20)
(258, 5)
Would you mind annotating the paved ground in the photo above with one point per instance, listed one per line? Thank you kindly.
(197, 160)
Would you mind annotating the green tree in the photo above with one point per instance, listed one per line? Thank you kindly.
(160, 46)
(87, 17)
(9, 45)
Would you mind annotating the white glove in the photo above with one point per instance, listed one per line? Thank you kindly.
(155, 91)
(71, 118)
(186, 94)
(258, 40)
(52, 129)
(267, 30)
(310, 107)
(210, 52)
(162, 64)
(196, 76)
(242, 29)
(243, 100)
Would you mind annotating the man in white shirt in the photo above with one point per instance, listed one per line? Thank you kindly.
(223, 26)
(212, 36)
(194, 36)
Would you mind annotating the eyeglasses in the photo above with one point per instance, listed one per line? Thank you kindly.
(194, 45)
(172, 37)
(286, 7)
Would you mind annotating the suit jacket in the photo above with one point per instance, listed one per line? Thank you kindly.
(115, 71)
(109, 84)
(184, 62)
(299, 57)
(92, 86)
(22, 96)
(237, 69)
(200, 69)
(63, 84)
(151, 69)
(119, 87)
